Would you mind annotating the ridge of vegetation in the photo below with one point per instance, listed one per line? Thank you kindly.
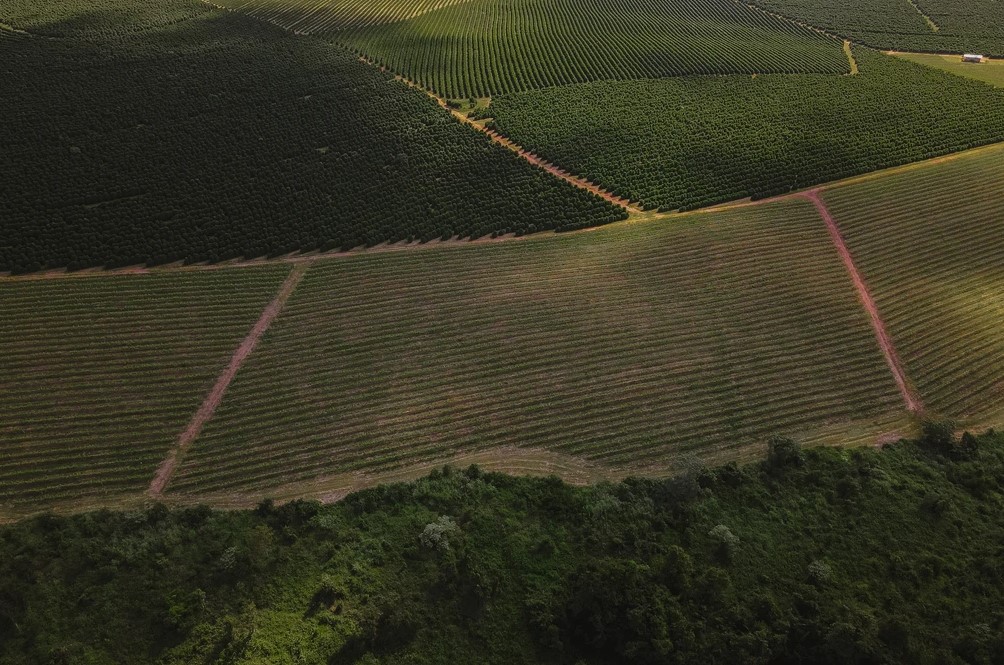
(788, 560)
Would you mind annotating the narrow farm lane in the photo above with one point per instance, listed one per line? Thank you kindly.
(215, 396)
(913, 403)
(497, 138)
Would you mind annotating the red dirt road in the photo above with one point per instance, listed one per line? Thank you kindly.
(575, 180)
(581, 183)
(913, 403)
(215, 396)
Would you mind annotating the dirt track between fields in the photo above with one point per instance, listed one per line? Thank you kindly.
(913, 403)
(215, 396)
(497, 138)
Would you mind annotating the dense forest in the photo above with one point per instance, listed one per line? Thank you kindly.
(152, 132)
(810, 556)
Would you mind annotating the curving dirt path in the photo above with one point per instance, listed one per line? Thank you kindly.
(215, 396)
(913, 403)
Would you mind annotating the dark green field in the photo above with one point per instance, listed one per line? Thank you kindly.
(151, 132)
(689, 142)
(945, 26)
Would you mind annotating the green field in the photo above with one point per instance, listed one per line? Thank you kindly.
(945, 26)
(930, 242)
(149, 131)
(320, 16)
(991, 71)
(688, 142)
(634, 346)
(488, 47)
(99, 375)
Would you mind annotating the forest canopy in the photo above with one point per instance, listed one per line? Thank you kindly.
(818, 555)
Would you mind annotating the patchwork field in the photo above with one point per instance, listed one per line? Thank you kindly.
(990, 71)
(930, 242)
(488, 47)
(634, 346)
(100, 374)
(688, 142)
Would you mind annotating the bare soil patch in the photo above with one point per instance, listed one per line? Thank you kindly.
(912, 401)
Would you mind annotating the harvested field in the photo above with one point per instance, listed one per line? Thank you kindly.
(633, 347)
(990, 71)
(929, 243)
(99, 375)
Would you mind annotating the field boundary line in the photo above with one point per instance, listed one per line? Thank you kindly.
(212, 400)
(913, 403)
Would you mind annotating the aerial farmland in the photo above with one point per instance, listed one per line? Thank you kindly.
(501, 331)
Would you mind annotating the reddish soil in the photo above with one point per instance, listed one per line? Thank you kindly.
(581, 183)
(215, 396)
(575, 180)
(913, 402)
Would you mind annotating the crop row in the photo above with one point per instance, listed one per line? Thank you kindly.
(930, 242)
(490, 47)
(96, 20)
(484, 47)
(99, 375)
(952, 26)
(629, 346)
(221, 137)
(319, 16)
(683, 143)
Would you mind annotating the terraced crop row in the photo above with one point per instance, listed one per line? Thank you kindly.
(319, 16)
(682, 143)
(930, 243)
(630, 346)
(487, 47)
(99, 375)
